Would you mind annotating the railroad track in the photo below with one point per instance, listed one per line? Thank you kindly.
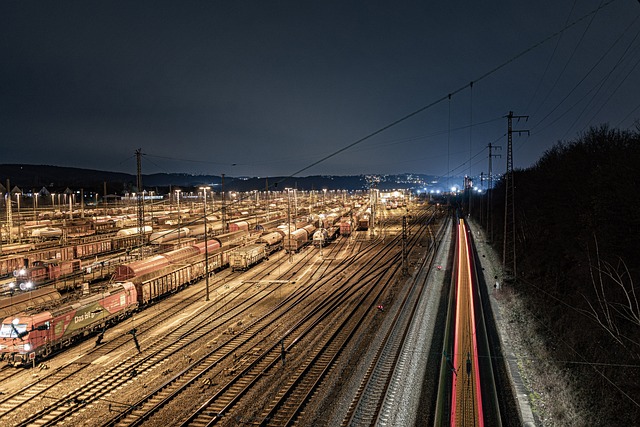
(366, 405)
(18, 398)
(143, 409)
(74, 401)
(120, 374)
(467, 393)
(293, 397)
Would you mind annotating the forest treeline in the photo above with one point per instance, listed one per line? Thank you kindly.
(578, 263)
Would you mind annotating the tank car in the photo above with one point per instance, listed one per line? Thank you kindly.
(133, 231)
(272, 241)
(47, 233)
(160, 237)
(238, 225)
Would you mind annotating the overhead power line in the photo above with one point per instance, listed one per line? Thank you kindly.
(456, 91)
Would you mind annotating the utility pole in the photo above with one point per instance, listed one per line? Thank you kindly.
(266, 191)
(289, 223)
(373, 203)
(224, 208)
(509, 243)
(405, 268)
(481, 198)
(206, 244)
(140, 201)
(9, 213)
(490, 189)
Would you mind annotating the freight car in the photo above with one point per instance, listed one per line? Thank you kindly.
(16, 248)
(310, 229)
(296, 240)
(134, 231)
(47, 233)
(333, 233)
(90, 249)
(143, 281)
(36, 335)
(175, 277)
(329, 220)
(157, 265)
(11, 263)
(245, 257)
(272, 241)
(160, 237)
(14, 304)
(238, 225)
(235, 238)
(323, 236)
(103, 226)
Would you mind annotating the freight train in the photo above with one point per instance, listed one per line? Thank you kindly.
(80, 250)
(31, 336)
(37, 334)
(323, 236)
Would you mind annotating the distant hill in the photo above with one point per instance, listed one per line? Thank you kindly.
(29, 177)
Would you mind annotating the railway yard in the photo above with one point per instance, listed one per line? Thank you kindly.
(353, 312)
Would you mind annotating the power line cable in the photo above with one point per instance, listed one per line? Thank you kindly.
(603, 81)
(546, 70)
(612, 92)
(628, 115)
(566, 64)
(584, 77)
(455, 92)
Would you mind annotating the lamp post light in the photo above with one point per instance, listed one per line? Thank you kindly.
(206, 244)
(19, 218)
(179, 216)
(289, 221)
(35, 207)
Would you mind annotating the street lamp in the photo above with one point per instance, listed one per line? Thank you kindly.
(35, 207)
(289, 221)
(179, 220)
(206, 244)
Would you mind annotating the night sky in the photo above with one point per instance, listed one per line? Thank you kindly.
(265, 88)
